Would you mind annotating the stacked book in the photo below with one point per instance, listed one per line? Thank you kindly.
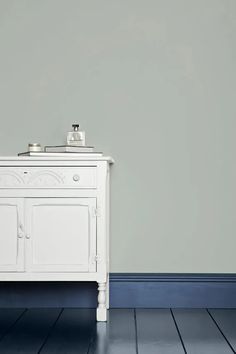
(64, 151)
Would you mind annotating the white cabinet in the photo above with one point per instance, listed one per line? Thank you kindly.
(54, 221)
(11, 235)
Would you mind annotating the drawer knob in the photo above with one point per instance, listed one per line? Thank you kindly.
(76, 178)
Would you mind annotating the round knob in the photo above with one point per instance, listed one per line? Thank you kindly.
(76, 178)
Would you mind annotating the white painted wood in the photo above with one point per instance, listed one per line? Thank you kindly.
(57, 210)
(108, 233)
(50, 276)
(47, 193)
(32, 160)
(61, 235)
(11, 235)
(48, 177)
(102, 310)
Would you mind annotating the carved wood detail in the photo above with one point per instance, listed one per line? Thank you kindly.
(45, 178)
(10, 178)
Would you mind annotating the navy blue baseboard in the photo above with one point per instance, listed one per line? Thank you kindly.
(127, 290)
(173, 290)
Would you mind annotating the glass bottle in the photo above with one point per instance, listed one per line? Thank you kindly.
(76, 137)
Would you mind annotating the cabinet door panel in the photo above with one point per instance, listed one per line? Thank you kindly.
(11, 235)
(61, 234)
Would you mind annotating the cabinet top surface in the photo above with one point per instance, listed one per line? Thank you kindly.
(53, 160)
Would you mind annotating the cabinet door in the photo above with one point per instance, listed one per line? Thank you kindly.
(60, 235)
(11, 235)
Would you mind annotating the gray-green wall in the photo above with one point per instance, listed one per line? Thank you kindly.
(153, 83)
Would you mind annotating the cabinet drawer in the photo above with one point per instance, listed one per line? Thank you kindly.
(48, 177)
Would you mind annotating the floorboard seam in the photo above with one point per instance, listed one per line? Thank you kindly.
(136, 331)
(92, 339)
(13, 324)
(220, 330)
(50, 331)
(177, 328)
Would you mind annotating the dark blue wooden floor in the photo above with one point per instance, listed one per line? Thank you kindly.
(128, 331)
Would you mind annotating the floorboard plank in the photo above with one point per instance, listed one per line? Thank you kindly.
(226, 320)
(72, 332)
(199, 333)
(117, 336)
(157, 332)
(28, 334)
(7, 318)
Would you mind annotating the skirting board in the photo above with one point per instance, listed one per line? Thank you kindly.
(127, 291)
(173, 290)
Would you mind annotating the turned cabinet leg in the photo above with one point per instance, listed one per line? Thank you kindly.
(101, 309)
